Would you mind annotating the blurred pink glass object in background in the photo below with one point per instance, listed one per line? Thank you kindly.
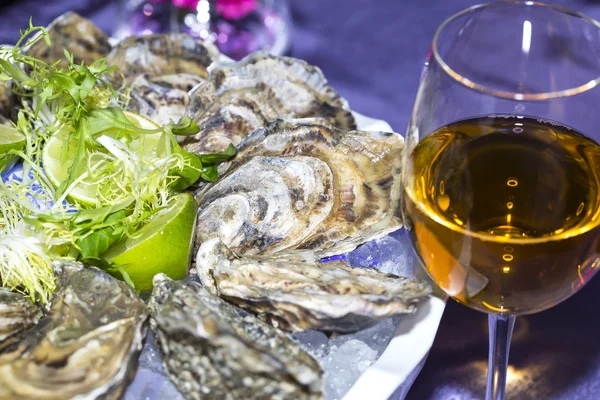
(236, 27)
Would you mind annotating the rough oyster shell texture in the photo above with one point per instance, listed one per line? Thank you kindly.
(240, 97)
(85, 348)
(75, 34)
(161, 98)
(212, 350)
(162, 54)
(159, 71)
(297, 291)
(17, 314)
(304, 184)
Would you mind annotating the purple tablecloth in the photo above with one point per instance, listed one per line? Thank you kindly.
(372, 53)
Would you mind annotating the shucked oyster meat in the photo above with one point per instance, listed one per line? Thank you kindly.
(243, 96)
(161, 54)
(212, 350)
(75, 34)
(85, 348)
(296, 291)
(304, 184)
(161, 98)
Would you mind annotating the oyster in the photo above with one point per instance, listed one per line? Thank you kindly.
(304, 184)
(87, 345)
(17, 314)
(163, 97)
(75, 34)
(161, 54)
(243, 96)
(297, 291)
(231, 117)
(212, 350)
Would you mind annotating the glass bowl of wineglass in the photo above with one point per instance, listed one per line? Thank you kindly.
(501, 171)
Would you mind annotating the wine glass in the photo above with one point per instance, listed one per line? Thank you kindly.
(501, 172)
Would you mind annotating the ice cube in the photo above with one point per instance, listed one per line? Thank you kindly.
(366, 255)
(343, 366)
(395, 255)
(314, 342)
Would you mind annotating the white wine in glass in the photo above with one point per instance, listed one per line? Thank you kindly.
(501, 172)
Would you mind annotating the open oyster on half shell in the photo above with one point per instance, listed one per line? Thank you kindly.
(212, 350)
(297, 291)
(86, 347)
(304, 184)
(242, 96)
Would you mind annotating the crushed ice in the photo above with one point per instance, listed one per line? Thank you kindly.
(343, 358)
(391, 254)
(344, 365)
(151, 381)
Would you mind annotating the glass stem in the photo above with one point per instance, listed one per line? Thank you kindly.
(501, 328)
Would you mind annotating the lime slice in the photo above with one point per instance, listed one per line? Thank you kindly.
(163, 245)
(10, 139)
(86, 191)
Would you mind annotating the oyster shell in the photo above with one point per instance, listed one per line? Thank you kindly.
(17, 314)
(231, 117)
(297, 291)
(87, 345)
(304, 184)
(242, 96)
(78, 35)
(211, 350)
(161, 54)
(163, 97)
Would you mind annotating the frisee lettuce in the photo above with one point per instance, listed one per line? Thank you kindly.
(37, 224)
(25, 262)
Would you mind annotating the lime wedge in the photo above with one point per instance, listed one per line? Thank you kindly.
(10, 139)
(85, 192)
(163, 245)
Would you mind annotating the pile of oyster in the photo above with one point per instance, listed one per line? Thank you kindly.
(304, 185)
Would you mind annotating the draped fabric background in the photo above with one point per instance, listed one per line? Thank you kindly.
(372, 52)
